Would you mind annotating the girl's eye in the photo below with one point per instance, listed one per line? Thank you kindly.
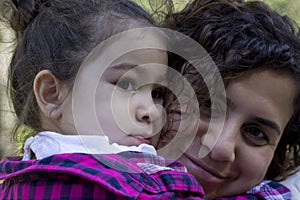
(255, 135)
(125, 85)
(158, 94)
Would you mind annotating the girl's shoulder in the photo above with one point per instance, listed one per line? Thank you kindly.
(268, 189)
(130, 174)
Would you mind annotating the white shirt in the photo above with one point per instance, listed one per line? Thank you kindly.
(293, 183)
(48, 143)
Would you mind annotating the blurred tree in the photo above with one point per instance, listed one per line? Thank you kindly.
(285, 7)
(6, 115)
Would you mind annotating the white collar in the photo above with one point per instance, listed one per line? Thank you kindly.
(48, 143)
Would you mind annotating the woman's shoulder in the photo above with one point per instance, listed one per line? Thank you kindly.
(293, 183)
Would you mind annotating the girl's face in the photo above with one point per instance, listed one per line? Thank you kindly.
(127, 101)
(130, 97)
(259, 106)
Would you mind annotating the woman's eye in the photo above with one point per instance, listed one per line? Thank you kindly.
(207, 104)
(207, 110)
(125, 85)
(255, 135)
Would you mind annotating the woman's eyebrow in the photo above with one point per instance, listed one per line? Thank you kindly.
(260, 120)
(268, 123)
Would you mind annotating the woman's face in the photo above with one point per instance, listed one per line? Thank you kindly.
(259, 106)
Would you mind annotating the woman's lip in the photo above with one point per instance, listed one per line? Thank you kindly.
(207, 169)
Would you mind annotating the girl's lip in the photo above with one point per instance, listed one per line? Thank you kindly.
(142, 140)
(207, 169)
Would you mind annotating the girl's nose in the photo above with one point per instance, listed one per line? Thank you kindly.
(148, 113)
(146, 110)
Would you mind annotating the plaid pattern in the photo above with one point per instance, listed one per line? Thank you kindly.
(108, 176)
(85, 176)
(271, 190)
(266, 190)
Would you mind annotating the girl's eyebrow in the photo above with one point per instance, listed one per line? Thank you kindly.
(122, 67)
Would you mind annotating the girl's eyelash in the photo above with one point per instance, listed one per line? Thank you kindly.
(158, 93)
(126, 85)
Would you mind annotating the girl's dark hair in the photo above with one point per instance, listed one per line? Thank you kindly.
(242, 36)
(57, 35)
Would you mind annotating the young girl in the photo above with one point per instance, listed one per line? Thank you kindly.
(257, 52)
(77, 99)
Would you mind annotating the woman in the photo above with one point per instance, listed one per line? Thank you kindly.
(257, 52)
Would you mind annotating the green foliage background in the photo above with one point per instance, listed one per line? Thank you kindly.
(285, 7)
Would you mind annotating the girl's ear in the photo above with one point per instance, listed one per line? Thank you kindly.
(47, 93)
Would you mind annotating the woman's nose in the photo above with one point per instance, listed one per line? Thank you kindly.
(223, 146)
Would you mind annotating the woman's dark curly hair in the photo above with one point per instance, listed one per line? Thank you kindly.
(242, 36)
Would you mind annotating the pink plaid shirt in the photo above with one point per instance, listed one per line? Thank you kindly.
(127, 175)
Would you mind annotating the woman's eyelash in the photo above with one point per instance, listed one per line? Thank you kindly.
(255, 135)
